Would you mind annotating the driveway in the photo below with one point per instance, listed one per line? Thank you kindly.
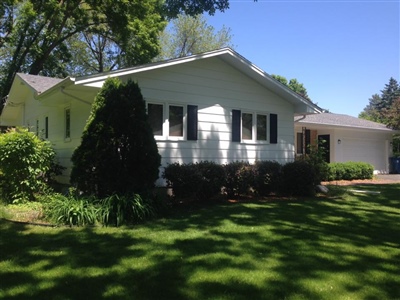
(389, 177)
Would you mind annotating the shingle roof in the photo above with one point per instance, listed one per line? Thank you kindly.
(39, 83)
(339, 120)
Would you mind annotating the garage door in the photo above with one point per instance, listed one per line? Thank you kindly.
(370, 151)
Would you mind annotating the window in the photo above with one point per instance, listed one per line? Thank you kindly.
(67, 123)
(247, 126)
(46, 127)
(156, 120)
(303, 141)
(173, 121)
(254, 127)
(261, 128)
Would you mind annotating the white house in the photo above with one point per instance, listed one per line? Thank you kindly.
(346, 138)
(215, 106)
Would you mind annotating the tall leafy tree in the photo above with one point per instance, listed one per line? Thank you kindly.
(118, 152)
(34, 33)
(293, 84)
(189, 35)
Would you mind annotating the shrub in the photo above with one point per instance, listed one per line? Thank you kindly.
(350, 171)
(24, 160)
(200, 181)
(239, 178)
(118, 210)
(267, 177)
(70, 210)
(118, 153)
(298, 179)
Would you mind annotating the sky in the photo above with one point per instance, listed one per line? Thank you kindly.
(343, 51)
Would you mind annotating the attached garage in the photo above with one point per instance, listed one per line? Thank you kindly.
(350, 138)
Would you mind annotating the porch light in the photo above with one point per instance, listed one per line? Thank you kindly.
(339, 141)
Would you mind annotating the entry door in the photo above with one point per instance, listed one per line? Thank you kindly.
(324, 143)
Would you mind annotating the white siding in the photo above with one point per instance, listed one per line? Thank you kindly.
(217, 88)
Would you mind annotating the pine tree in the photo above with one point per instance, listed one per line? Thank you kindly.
(118, 153)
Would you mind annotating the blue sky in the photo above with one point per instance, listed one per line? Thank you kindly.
(342, 51)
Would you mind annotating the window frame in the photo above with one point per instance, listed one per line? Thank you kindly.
(254, 139)
(166, 123)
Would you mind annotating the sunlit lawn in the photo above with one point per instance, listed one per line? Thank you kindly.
(342, 248)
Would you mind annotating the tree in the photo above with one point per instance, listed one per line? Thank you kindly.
(118, 152)
(191, 35)
(293, 84)
(379, 105)
(34, 33)
(385, 109)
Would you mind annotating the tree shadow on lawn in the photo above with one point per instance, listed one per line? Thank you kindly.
(313, 249)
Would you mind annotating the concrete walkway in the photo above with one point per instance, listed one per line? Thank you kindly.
(389, 177)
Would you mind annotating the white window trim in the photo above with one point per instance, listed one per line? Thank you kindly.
(165, 126)
(254, 127)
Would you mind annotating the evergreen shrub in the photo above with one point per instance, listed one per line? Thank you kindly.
(350, 171)
(200, 181)
(118, 153)
(298, 179)
(267, 177)
(239, 178)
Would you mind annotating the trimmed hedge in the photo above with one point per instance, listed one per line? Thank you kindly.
(350, 171)
(202, 180)
(205, 180)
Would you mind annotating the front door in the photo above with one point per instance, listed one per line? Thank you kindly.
(324, 143)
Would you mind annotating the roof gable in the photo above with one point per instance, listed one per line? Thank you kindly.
(38, 83)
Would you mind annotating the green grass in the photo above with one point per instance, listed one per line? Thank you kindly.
(342, 248)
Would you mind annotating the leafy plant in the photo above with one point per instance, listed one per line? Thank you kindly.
(118, 210)
(239, 178)
(298, 179)
(24, 159)
(202, 180)
(267, 177)
(70, 210)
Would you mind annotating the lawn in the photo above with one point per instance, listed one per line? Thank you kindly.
(322, 248)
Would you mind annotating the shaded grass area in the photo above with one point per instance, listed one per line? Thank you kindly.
(321, 248)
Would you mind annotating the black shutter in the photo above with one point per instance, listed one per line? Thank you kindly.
(273, 128)
(236, 116)
(192, 122)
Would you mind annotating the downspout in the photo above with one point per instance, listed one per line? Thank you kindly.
(76, 98)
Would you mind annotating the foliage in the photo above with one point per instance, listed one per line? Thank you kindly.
(239, 178)
(298, 179)
(24, 160)
(316, 158)
(349, 171)
(191, 35)
(118, 210)
(69, 210)
(118, 153)
(202, 180)
(36, 35)
(267, 176)
(385, 109)
(293, 84)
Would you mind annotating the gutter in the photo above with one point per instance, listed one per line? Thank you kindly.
(62, 89)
